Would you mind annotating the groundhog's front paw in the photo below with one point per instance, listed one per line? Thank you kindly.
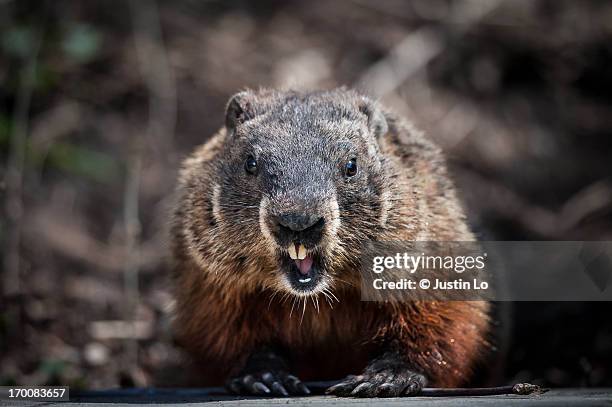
(384, 377)
(268, 384)
(265, 374)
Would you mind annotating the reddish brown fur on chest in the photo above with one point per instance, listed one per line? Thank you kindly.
(224, 327)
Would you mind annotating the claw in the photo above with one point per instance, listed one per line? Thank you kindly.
(296, 386)
(389, 390)
(279, 390)
(248, 380)
(260, 388)
(273, 384)
(414, 386)
(305, 390)
(340, 389)
(363, 389)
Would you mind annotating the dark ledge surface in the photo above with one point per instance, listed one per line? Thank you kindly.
(185, 397)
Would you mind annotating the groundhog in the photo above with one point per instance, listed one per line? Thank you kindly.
(271, 217)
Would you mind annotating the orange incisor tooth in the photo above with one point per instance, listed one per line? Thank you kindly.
(301, 252)
(292, 251)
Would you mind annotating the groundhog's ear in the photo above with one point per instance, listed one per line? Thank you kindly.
(376, 118)
(239, 109)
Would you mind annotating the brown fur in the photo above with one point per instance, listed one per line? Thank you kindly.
(229, 301)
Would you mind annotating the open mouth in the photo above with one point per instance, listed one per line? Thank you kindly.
(301, 267)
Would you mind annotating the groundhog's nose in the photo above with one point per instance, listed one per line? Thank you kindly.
(298, 222)
(304, 227)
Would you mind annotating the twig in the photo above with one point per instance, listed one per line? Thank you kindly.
(416, 50)
(15, 170)
(522, 389)
(540, 220)
(156, 69)
(132, 225)
(72, 241)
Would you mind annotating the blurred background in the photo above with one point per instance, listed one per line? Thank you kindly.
(100, 100)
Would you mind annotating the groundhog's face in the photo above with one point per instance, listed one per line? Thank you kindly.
(307, 176)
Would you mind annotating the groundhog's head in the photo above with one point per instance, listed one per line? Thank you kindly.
(303, 183)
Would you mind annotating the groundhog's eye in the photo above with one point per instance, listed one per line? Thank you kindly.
(250, 165)
(350, 168)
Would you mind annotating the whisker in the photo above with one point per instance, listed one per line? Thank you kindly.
(327, 298)
(315, 304)
(303, 310)
(292, 305)
(271, 298)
